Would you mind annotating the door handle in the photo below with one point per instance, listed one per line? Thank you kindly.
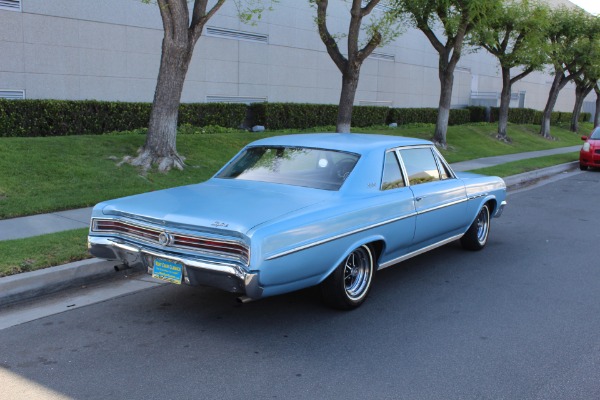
(419, 198)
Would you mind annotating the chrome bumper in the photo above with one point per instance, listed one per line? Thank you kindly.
(500, 209)
(196, 271)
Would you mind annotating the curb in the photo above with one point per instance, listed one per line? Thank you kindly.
(28, 285)
(519, 181)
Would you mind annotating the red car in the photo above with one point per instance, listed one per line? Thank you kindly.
(589, 156)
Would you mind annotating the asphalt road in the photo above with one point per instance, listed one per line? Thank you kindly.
(518, 320)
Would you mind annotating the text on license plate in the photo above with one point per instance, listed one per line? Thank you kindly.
(167, 270)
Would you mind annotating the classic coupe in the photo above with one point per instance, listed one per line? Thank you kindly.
(301, 210)
(589, 155)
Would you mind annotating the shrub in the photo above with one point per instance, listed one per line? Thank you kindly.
(585, 117)
(403, 116)
(363, 116)
(90, 117)
(477, 114)
(292, 115)
(459, 116)
(305, 116)
(228, 115)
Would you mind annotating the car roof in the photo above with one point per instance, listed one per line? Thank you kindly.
(352, 142)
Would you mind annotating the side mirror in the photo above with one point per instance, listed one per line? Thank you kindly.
(584, 138)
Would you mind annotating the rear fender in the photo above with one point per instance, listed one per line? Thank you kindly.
(362, 241)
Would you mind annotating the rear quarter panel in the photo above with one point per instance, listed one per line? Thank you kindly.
(303, 249)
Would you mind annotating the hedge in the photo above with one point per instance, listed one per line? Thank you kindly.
(90, 117)
(530, 116)
(304, 115)
(403, 116)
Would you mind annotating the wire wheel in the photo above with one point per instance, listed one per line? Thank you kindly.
(483, 225)
(477, 236)
(358, 269)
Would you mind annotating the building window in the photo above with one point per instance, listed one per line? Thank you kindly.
(237, 35)
(376, 55)
(12, 5)
(12, 94)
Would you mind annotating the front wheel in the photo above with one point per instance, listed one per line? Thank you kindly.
(348, 285)
(477, 235)
(583, 167)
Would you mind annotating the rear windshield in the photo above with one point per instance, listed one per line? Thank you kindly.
(298, 166)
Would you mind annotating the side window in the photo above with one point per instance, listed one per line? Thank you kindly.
(392, 176)
(420, 165)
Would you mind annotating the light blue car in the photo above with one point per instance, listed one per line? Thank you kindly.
(295, 211)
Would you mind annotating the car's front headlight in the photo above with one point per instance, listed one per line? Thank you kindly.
(586, 146)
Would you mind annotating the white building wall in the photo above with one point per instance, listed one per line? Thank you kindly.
(110, 50)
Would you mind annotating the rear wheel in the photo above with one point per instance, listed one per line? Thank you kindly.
(348, 285)
(477, 235)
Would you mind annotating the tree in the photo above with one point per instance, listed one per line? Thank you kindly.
(565, 54)
(456, 19)
(516, 36)
(597, 112)
(583, 87)
(588, 80)
(379, 30)
(180, 36)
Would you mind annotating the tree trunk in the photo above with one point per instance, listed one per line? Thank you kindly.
(349, 85)
(597, 113)
(446, 76)
(557, 85)
(504, 105)
(160, 147)
(581, 92)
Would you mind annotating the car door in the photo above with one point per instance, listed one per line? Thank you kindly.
(399, 201)
(440, 198)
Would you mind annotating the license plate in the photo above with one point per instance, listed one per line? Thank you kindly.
(167, 270)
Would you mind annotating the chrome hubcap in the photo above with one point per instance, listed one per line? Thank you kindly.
(358, 270)
(483, 225)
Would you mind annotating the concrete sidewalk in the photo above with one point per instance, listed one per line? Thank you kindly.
(17, 228)
(493, 161)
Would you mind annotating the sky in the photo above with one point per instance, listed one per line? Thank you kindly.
(592, 6)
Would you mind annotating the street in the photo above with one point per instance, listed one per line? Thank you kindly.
(517, 320)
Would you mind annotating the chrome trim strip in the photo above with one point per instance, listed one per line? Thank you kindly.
(319, 242)
(232, 255)
(441, 159)
(420, 251)
(476, 196)
(452, 203)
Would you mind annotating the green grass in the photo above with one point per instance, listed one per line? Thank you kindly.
(468, 142)
(39, 252)
(518, 167)
(42, 175)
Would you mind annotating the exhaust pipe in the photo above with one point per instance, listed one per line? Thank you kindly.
(121, 267)
(245, 299)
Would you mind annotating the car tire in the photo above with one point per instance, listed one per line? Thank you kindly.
(476, 236)
(583, 167)
(349, 284)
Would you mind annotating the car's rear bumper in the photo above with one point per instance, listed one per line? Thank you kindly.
(196, 271)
